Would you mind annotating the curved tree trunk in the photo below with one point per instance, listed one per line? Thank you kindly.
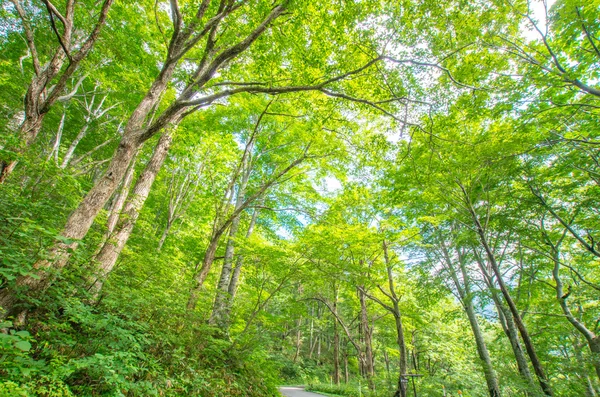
(591, 338)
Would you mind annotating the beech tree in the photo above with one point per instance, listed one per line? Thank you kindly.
(50, 78)
(367, 198)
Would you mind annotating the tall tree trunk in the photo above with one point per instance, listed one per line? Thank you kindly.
(466, 298)
(336, 339)
(235, 277)
(298, 339)
(536, 363)
(401, 389)
(508, 325)
(82, 218)
(368, 346)
(222, 296)
(119, 201)
(110, 251)
(591, 338)
(346, 371)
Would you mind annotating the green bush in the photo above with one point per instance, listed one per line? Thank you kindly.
(348, 390)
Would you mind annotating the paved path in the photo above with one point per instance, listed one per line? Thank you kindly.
(297, 392)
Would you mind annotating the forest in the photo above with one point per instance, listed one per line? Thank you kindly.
(364, 198)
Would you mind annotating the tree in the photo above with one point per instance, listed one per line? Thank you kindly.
(41, 94)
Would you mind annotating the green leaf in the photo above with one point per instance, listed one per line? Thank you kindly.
(23, 345)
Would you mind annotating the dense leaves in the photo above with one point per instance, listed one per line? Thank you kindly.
(367, 198)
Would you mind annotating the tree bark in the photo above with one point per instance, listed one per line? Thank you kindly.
(529, 347)
(119, 201)
(223, 297)
(591, 338)
(508, 325)
(466, 297)
(336, 339)
(367, 336)
(110, 251)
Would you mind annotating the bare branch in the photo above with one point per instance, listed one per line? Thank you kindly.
(51, 12)
(70, 95)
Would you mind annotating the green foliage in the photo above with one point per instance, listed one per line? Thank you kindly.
(474, 114)
(349, 390)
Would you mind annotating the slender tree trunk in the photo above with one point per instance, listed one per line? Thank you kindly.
(312, 334)
(71, 150)
(336, 339)
(591, 338)
(164, 234)
(298, 339)
(209, 258)
(368, 352)
(401, 389)
(346, 372)
(466, 297)
(222, 296)
(119, 201)
(536, 363)
(508, 325)
(56, 146)
(388, 375)
(511, 332)
(319, 337)
(235, 277)
(110, 251)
